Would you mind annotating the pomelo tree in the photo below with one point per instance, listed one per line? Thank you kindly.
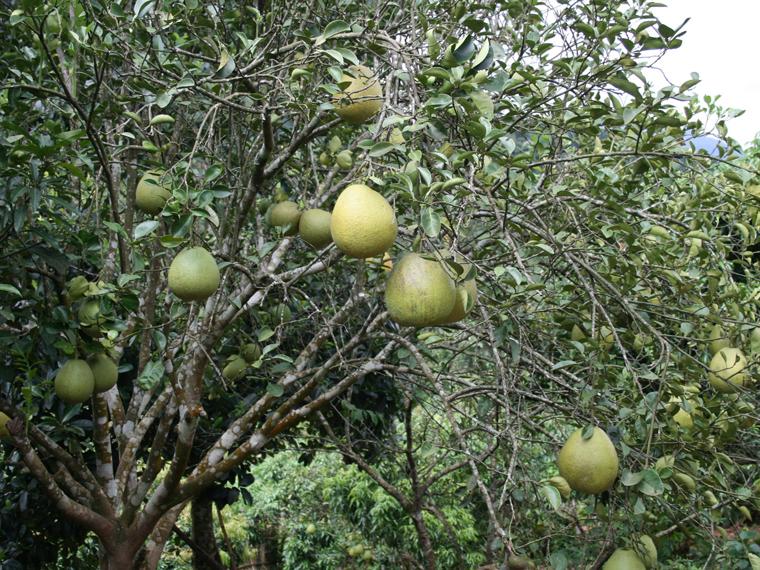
(519, 143)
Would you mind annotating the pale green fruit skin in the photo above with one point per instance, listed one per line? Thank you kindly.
(465, 292)
(577, 334)
(193, 274)
(105, 372)
(647, 551)
(314, 227)
(325, 159)
(624, 559)
(561, 484)
(286, 214)
(311, 529)
(718, 339)
(682, 417)
(74, 382)
(589, 466)
(78, 286)
(235, 368)
(363, 223)
(362, 99)
(150, 196)
(727, 370)
(4, 419)
(685, 481)
(419, 292)
(250, 352)
(89, 313)
(344, 159)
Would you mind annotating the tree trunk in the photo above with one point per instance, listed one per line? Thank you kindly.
(158, 538)
(202, 516)
(428, 553)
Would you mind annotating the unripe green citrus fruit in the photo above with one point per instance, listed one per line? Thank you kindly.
(104, 371)
(286, 214)
(624, 559)
(314, 227)
(74, 382)
(727, 370)
(419, 292)
(363, 223)
(151, 196)
(193, 274)
(589, 465)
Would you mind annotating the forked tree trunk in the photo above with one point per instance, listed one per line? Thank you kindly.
(426, 544)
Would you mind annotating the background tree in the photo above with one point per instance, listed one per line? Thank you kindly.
(519, 143)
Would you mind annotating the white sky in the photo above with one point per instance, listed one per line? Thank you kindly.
(721, 44)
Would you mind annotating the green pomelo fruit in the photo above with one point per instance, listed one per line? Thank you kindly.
(718, 339)
(235, 368)
(589, 465)
(466, 297)
(285, 214)
(104, 371)
(727, 370)
(151, 196)
(314, 227)
(250, 352)
(363, 223)
(362, 98)
(624, 559)
(344, 160)
(193, 274)
(74, 382)
(419, 292)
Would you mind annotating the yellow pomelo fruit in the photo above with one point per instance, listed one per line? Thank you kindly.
(193, 274)
(311, 528)
(314, 227)
(646, 550)
(682, 417)
(285, 214)
(466, 297)
(362, 98)
(589, 465)
(151, 196)
(363, 223)
(685, 481)
(419, 292)
(4, 419)
(727, 370)
(104, 371)
(561, 484)
(235, 368)
(665, 462)
(250, 352)
(74, 382)
(718, 339)
(624, 559)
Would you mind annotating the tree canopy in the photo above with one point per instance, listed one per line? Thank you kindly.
(156, 162)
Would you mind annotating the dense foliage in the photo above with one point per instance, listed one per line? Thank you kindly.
(520, 143)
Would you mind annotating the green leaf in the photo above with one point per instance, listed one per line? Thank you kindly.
(754, 561)
(143, 7)
(552, 495)
(651, 484)
(275, 390)
(265, 334)
(630, 479)
(439, 101)
(430, 222)
(588, 431)
(9, 289)
(226, 65)
(144, 228)
(626, 86)
(380, 149)
(483, 103)
(334, 28)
